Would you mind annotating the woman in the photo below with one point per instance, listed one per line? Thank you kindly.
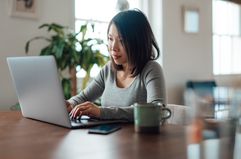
(131, 76)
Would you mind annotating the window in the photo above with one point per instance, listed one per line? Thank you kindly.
(226, 38)
(98, 12)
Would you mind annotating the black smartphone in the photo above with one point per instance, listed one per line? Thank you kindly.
(104, 129)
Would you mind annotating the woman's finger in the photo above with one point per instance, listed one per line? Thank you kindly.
(86, 108)
(74, 112)
(77, 112)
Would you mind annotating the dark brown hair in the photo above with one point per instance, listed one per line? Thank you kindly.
(138, 39)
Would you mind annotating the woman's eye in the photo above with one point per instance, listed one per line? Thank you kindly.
(110, 38)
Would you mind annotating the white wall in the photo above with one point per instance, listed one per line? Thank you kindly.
(186, 56)
(15, 32)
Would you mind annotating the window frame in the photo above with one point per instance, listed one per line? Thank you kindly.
(224, 62)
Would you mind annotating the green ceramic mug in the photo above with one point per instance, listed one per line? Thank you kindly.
(148, 117)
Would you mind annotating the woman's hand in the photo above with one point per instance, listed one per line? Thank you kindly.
(69, 106)
(86, 108)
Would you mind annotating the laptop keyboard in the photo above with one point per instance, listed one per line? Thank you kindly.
(76, 120)
(83, 119)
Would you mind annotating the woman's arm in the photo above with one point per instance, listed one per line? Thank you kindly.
(155, 83)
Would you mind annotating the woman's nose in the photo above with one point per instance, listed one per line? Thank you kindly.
(115, 46)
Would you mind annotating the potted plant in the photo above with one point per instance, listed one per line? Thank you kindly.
(62, 44)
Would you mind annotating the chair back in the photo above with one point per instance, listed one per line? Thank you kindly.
(202, 88)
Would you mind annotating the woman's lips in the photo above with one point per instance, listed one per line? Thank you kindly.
(115, 57)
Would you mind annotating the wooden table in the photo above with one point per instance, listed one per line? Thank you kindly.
(22, 138)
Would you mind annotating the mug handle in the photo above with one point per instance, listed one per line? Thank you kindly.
(169, 113)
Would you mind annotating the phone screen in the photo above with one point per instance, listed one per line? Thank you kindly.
(104, 129)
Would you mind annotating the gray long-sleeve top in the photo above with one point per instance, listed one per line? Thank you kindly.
(116, 103)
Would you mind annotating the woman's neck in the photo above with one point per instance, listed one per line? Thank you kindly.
(126, 70)
(124, 78)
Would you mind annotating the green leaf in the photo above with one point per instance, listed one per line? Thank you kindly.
(43, 26)
(46, 51)
(33, 39)
(58, 48)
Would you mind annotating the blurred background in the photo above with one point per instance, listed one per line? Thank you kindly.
(199, 40)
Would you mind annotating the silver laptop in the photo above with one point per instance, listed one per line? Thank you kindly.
(40, 94)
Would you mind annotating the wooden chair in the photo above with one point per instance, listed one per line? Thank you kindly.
(180, 114)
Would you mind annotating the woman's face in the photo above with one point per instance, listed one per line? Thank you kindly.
(116, 46)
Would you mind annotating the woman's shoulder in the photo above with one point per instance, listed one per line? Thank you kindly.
(151, 65)
(153, 62)
(152, 70)
(107, 67)
(106, 70)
